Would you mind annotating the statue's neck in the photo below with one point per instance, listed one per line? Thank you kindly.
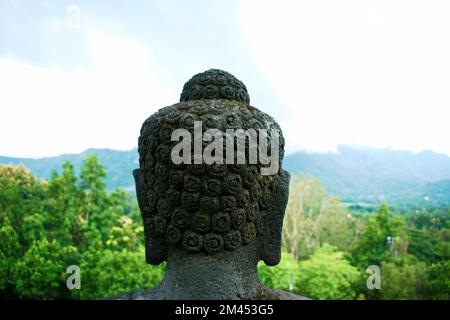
(226, 275)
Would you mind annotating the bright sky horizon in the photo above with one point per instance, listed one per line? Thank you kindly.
(77, 74)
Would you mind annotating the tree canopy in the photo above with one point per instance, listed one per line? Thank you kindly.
(69, 219)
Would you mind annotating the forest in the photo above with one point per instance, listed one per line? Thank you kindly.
(69, 219)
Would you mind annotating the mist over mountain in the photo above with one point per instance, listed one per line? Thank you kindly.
(366, 174)
(355, 174)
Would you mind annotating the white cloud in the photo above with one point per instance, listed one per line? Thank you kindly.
(361, 72)
(49, 111)
(357, 72)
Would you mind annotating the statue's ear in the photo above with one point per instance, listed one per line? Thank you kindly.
(141, 189)
(273, 220)
(155, 247)
(155, 250)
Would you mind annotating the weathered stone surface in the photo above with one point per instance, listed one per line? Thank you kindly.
(211, 223)
(215, 84)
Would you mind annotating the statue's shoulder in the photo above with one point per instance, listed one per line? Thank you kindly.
(148, 294)
(273, 294)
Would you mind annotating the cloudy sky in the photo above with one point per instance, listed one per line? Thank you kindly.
(83, 74)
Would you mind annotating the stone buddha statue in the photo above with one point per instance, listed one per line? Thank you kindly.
(211, 222)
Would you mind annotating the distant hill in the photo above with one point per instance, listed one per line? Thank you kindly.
(365, 174)
(119, 165)
(356, 174)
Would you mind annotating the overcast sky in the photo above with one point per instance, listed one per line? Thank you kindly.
(84, 74)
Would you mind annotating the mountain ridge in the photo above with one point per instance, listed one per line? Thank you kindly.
(357, 174)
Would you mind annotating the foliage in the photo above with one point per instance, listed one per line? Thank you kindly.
(327, 275)
(430, 245)
(404, 246)
(313, 217)
(118, 164)
(72, 219)
(439, 281)
(49, 225)
(429, 234)
(106, 273)
(281, 276)
(9, 252)
(40, 273)
(381, 232)
(405, 278)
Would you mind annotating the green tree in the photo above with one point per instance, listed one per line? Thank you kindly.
(430, 245)
(403, 278)
(92, 176)
(20, 195)
(41, 272)
(327, 275)
(9, 252)
(380, 233)
(64, 202)
(105, 273)
(282, 276)
(313, 217)
(128, 235)
(100, 211)
(438, 287)
(48, 225)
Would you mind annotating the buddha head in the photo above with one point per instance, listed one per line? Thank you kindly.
(204, 207)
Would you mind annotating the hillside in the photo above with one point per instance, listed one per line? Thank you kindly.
(119, 165)
(364, 174)
(356, 174)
